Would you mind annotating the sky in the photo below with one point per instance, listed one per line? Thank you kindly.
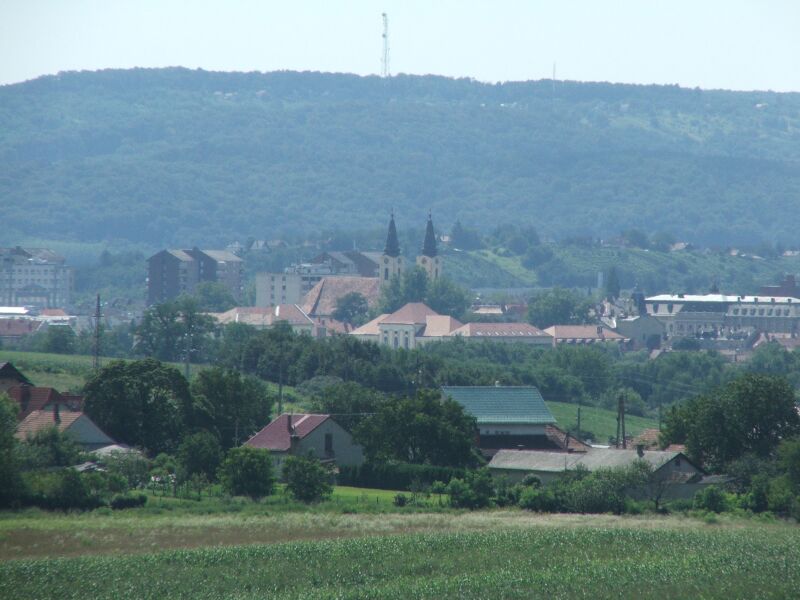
(725, 44)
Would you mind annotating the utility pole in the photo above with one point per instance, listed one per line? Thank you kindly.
(385, 59)
(96, 341)
(621, 422)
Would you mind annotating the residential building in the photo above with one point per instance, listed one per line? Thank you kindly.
(308, 434)
(267, 317)
(34, 277)
(720, 315)
(13, 330)
(504, 332)
(31, 398)
(788, 288)
(507, 417)
(583, 334)
(175, 272)
(75, 424)
(282, 288)
(408, 327)
(643, 331)
(351, 262)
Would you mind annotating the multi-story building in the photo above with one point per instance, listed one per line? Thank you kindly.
(720, 315)
(34, 277)
(175, 272)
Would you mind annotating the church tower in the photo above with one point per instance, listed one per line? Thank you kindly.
(392, 260)
(430, 259)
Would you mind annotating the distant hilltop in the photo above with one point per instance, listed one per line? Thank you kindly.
(166, 156)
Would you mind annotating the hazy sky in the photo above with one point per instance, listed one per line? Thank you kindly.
(730, 44)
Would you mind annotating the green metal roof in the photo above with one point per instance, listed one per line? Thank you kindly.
(492, 404)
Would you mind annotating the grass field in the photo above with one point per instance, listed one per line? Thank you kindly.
(601, 422)
(494, 554)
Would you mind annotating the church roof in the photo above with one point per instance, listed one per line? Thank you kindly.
(392, 243)
(429, 245)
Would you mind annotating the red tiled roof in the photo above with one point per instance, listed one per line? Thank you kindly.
(18, 327)
(648, 437)
(440, 325)
(275, 436)
(40, 419)
(558, 436)
(321, 299)
(264, 316)
(413, 313)
(583, 333)
(370, 328)
(31, 398)
(53, 312)
(490, 330)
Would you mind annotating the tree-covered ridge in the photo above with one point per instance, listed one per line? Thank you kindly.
(174, 156)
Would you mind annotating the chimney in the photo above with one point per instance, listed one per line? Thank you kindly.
(640, 450)
(292, 434)
(56, 413)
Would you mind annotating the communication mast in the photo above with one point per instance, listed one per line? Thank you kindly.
(385, 59)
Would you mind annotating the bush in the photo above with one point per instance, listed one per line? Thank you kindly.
(122, 501)
(247, 472)
(199, 454)
(61, 490)
(400, 500)
(712, 499)
(306, 479)
(538, 500)
(395, 475)
(474, 491)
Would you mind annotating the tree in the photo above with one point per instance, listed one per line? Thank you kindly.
(351, 308)
(56, 339)
(141, 403)
(421, 429)
(11, 486)
(465, 239)
(612, 284)
(558, 307)
(173, 331)
(446, 298)
(247, 472)
(232, 405)
(199, 454)
(348, 399)
(213, 296)
(752, 414)
(306, 479)
(49, 447)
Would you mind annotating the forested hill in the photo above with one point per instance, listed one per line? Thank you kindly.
(175, 156)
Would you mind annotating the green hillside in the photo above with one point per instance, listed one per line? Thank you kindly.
(174, 156)
(601, 422)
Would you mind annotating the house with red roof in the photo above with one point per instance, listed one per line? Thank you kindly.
(308, 434)
(504, 332)
(408, 327)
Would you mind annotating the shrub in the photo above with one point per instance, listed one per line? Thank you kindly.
(61, 490)
(400, 500)
(712, 499)
(122, 501)
(199, 453)
(531, 480)
(306, 479)
(779, 495)
(474, 491)
(538, 500)
(247, 472)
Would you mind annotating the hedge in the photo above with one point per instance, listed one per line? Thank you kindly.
(395, 475)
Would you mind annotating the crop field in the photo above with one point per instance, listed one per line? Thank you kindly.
(495, 554)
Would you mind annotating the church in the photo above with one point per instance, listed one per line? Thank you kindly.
(392, 262)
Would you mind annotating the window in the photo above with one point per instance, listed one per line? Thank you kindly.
(329, 444)
(677, 462)
(736, 311)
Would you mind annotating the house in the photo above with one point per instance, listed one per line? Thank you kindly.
(507, 417)
(10, 377)
(321, 300)
(307, 434)
(173, 272)
(504, 332)
(76, 424)
(583, 334)
(32, 398)
(12, 330)
(408, 327)
(670, 467)
(642, 331)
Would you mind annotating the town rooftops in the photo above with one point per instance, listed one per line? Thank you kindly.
(321, 299)
(495, 404)
(371, 327)
(722, 299)
(276, 435)
(413, 313)
(31, 398)
(264, 316)
(583, 333)
(76, 423)
(14, 311)
(593, 459)
(180, 255)
(440, 325)
(222, 255)
(495, 330)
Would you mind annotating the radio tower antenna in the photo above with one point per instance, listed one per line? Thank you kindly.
(96, 345)
(385, 60)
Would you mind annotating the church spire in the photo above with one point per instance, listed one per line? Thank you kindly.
(429, 246)
(392, 244)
